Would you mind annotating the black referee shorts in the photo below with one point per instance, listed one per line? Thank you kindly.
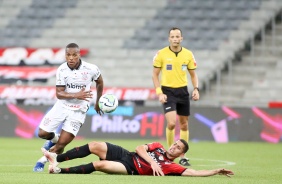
(177, 100)
(119, 154)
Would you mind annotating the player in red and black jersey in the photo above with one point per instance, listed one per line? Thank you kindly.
(148, 159)
(163, 158)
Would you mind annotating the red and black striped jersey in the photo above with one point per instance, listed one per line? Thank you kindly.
(158, 154)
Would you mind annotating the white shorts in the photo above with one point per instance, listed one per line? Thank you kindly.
(72, 119)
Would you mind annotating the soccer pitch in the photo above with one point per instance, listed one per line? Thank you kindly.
(251, 162)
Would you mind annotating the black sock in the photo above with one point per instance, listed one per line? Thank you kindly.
(78, 152)
(81, 169)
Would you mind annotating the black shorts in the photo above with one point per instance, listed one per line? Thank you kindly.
(119, 154)
(177, 100)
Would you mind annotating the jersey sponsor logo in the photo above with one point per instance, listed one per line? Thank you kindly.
(169, 67)
(72, 105)
(76, 86)
(138, 162)
(153, 156)
(160, 150)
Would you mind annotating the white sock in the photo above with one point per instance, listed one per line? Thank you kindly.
(43, 160)
(55, 139)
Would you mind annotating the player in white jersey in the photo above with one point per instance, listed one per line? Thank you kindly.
(73, 82)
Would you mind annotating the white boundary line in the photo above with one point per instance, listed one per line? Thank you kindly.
(220, 162)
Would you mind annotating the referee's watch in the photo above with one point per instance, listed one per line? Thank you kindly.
(196, 89)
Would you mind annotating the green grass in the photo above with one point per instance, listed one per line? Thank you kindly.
(258, 163)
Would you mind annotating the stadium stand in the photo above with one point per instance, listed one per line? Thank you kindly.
(253, 80)
(123, 36)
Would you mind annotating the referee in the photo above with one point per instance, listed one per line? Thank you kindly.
(173, 62)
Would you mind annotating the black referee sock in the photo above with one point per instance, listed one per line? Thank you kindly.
(78, 152)
(81, 169)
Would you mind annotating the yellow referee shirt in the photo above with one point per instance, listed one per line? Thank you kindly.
(174, 66)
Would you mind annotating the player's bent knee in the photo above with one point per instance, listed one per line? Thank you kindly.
(171, 126)
(96, 146)
(99, 165)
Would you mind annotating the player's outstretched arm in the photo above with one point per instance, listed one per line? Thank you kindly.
(192, 172)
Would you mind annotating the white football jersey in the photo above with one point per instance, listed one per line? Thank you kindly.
(74, 80)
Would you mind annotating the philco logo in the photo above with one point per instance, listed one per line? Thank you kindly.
(75, 86)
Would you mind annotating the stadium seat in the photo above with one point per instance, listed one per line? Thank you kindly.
(119, 32)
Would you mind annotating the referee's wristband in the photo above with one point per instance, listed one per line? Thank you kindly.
(196, 88)
(159, 91)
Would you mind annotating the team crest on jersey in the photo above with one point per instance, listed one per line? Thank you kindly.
(84, 75)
